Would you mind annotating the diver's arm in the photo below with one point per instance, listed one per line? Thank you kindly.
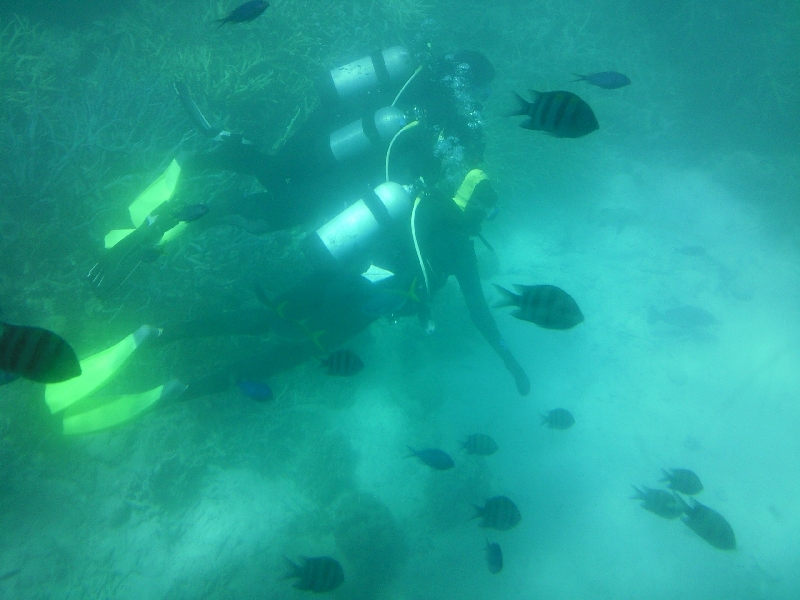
(470, 283)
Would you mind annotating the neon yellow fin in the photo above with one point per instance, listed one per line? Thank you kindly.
(95, 371)
(156, 194)
(115, 236)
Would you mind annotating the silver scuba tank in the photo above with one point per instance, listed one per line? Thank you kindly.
(352, 231)
(367, 133)
(388, 68)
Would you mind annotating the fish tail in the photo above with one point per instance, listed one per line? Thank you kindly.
(413, 452)
(639, 493)
(522, 106)
(292, 570)
(545, 419)
(579, 77)
(478, 512)
(666, 475)
(509, 297)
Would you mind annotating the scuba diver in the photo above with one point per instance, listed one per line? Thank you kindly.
(407, 144)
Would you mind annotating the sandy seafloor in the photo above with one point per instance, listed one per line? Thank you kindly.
(202, 500)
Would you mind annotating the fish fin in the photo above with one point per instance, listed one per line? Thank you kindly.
(640, 495)
(478, 512)
(292, 570)
(534, 94)
(412, 291)
(683, 504)
(509, 297)
(579, 77)
(666, 477)
(522, 106)
(528, 124)
(545, 419)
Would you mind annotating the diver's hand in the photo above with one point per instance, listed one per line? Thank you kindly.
(520, 377)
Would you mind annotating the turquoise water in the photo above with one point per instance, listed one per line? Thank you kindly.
(686, 196)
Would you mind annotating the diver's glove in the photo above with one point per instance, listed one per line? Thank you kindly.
(516, 370)
(520, 377)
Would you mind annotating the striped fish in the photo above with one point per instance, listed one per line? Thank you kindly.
(343, 363)
(560, 114)
(683, 481)
(317, 574)
(558, 418)
(36, 354)
(434, 458)
(479, 443)
(498, 513)
(545, 305)
(659, 502)
(494, 557)
(709, 525)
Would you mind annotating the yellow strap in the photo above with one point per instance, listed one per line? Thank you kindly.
(97, 414)
(467, 187)
(156, 194)
(95, 371)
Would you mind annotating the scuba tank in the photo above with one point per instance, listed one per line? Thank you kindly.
(367, 133)
(378, 71)
(351, 232)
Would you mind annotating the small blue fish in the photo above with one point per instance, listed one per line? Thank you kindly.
(434, 458)
(256, 390)
(245, 12)
(608, 80)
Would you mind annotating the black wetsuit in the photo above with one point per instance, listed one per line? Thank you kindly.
(304, 184)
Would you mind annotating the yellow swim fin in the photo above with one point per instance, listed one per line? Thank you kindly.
(95, 371)
(96, 414)
(156, 194)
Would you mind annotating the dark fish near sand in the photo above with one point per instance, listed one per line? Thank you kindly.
(608, 80)
(560, 114)
(545, 305)
(481, 444)
(317, 574)
(498, 513)
(245, 12)
(709, 525)
(342, 363)
(434, 458)
(494, 557)
(191, 212)
(256, 390)
(36, 354)
(558, 418)
(659, 502)
(683, 481)
(682, 317)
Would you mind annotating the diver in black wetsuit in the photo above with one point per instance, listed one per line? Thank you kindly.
(315, 175)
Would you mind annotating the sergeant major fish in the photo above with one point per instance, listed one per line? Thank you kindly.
(245, 12)
(608, 80)
(480, 444)
(343, 363)
(317, 574)
(36, 354)
(659, 502)
(559, 114)
(558, 418)
(494, 557)
(498, 513)
(709, 525)
(434, 458)
(683, 481)
(545, 305)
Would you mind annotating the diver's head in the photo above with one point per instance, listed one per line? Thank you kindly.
(471, 70)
